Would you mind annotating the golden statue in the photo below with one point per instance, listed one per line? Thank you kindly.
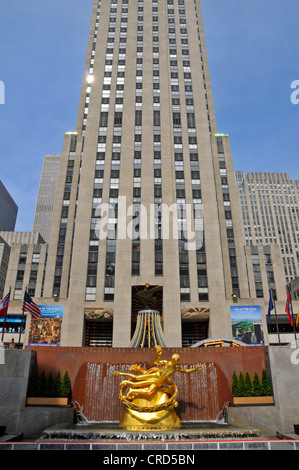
(151, 398)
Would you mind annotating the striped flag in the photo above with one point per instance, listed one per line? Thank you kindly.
(4, 305)
(289, 310)
(31, 307)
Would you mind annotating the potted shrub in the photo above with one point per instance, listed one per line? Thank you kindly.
(65, 388)
(235, 385)
(45, 390)
(257, 386)
(251, 392)
(266, 386)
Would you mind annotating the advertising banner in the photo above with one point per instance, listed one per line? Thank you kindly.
(46, 331)
(247, 324)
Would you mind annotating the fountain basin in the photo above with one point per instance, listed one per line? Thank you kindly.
(114, 432)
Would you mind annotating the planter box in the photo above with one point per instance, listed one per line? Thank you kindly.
(253, 400)
(44, 401)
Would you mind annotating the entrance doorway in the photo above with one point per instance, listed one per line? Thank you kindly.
(146, 316)
(98, 333)
(192, 332)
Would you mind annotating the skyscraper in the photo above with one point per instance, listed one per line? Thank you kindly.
(8, 209)
(46, 196)
(147, 213)
(146, 147)
(270, 213)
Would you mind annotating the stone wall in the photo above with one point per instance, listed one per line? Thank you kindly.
(14, 375)
(284, 363)
(14, 414)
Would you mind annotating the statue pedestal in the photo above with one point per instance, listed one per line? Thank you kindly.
(161, 419)
(148, 332)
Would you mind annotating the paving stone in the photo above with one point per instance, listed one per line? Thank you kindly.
(155, 446)
(256, 445)
(205, 446)
(231, 446)
(77, 446)
(51, 446)
(25, 446)
(104, 446)
(282, 445)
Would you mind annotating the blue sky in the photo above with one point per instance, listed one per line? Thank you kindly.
(253, 50)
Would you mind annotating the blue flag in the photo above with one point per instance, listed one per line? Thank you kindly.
(270, 307)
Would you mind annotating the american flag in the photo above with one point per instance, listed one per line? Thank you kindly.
(4, 304)
(31, 307)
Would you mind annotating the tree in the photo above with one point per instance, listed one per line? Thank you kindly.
(235, 385)
(241, 385)
(257, 386)
(248, 386)
(43, 385)
(266, 386)
(33, 386)
(50, 385)
(57, 385)
(65, 389)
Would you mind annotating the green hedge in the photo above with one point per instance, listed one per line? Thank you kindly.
(244, 386)
(48, 386)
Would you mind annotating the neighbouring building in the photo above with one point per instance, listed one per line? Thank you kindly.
(46, 196)
(8, 209)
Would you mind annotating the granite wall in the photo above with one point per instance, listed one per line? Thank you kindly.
(14, 414)
(284, 362)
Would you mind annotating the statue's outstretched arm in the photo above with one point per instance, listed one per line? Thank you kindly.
(159, 352)
(155, 289)
(137, 368)
(188, 371)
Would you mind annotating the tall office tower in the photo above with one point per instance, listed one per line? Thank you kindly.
(270, 203)
(4, 260)
(8, 209)
(147, 210)
(46, 196)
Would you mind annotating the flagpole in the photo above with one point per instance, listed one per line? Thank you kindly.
(294, 326)
(22, 318)
(5, 316)
(276, 318)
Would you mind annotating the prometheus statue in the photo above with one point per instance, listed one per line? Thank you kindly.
(152, 395)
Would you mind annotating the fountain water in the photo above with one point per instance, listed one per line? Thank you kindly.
(199, 410)
(198, 393)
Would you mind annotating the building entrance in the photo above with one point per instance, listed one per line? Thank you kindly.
(146, 316)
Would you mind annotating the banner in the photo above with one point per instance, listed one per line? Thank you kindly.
(247, 324)
(46, 330)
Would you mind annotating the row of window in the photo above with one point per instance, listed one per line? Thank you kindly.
(115, 167)
(202, 278)
(274, 217)
(117, 139)
(34, 272)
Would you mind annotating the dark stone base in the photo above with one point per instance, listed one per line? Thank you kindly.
(114, 432)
